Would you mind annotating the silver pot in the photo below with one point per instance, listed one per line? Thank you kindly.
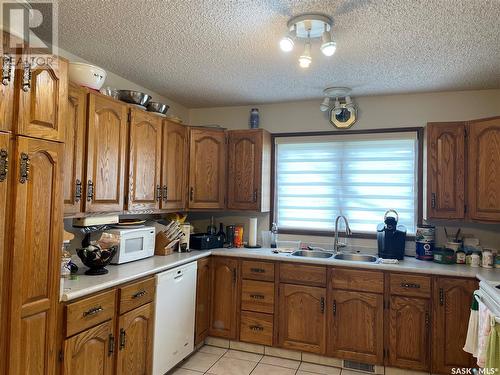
(134, 97)
(158, 107)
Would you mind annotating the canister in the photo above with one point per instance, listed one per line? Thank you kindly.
(475, 259)
(460, 254)
(425, 238)
(487, 261)
(444, 256)
(238, 236)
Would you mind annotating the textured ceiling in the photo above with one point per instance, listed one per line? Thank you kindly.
(225, 52)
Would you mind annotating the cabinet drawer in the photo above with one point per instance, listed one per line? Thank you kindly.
(410, 285)
(257, 270)
(360, 280)
(257, 296)
(301, 274)
(136, 294)
(89, 312)
(256, 328)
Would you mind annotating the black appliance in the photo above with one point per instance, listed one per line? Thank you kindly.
(205, 241)
(391, 237)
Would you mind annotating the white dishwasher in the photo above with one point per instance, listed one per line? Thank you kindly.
(174, 317)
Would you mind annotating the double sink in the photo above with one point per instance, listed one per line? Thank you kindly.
(338, 256)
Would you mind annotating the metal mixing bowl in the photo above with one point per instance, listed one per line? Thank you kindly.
(134, 97)
(158, 107)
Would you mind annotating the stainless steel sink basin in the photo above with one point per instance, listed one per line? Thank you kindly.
(311, 254)
(356, 257)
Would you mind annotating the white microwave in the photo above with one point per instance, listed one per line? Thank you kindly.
(135, 244)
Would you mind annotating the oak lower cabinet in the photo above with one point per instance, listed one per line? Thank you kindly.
(135, 341)
(174, 166)
(446, 170)
(207, 168)
(91, 351)
(144, 189)
(107, 131)
(409, 333)
(35, 245)
(452, 298)
(74, 148)
(203, 294)
(483, 179)
(249, 170)
(302, 318)
(224, 303)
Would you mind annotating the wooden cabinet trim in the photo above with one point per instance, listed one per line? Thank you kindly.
(296, 273)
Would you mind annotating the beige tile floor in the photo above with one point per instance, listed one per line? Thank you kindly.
(219, 361)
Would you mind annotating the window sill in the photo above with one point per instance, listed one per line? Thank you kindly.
(320, 233)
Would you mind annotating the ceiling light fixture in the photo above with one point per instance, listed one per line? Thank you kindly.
(343, 113)
(325, 105)
(306, 27)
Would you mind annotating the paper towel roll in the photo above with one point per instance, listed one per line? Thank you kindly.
(252, 232)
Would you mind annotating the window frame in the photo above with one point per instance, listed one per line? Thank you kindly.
(420, 174)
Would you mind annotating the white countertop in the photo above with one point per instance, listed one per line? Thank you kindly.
(84, 285)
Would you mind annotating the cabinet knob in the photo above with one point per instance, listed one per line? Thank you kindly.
(4, 164)
(6, 70)
(26, 85)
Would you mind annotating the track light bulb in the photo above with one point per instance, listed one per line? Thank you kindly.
(287, 42)
(325, 105)
(337, 109)
(305, 59)
(328, 46)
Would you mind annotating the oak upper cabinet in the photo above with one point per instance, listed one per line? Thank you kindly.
(106, 147)
(409, 333)
(90, 352)
(249, 171)
(135, 341)
(224, 303)
(74, 147)
(43, 100)
(207, 168)
(203, 291)
(36, 244)
(302, 318)
(144, 190)
(7, 88)
(484, 169)
(356, 326)
(451, 299)
(445, 170)
(175, 154)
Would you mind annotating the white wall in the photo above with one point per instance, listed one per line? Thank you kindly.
(389, 111)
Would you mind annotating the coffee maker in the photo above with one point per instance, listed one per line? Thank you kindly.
(391, 237)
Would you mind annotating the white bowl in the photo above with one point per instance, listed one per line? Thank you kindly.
(87, 75)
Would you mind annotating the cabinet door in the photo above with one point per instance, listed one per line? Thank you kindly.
(7, 88)
(144, 190)
(90, 352)
(207, 168)
(174, 170)
(135, 342)
(203, 289)
(484, 169)
(445, 170)
(245, 170)
(74, 141)
(224, 304)
(106, 145)
(409, 333)
(356, 326)
(36, 246)
(302, 318)
(5, 157)
(42, 107)
(452, 300)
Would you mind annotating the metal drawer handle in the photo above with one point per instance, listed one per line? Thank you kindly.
(24, 169)
(258, 270)
(123, 338)
(257, 296)
(191, 194)
(26, 77)
(433, 200)
(410, 285)
(257, 328)
(255, 194)
(427, 318)
(111, 344)
(441, 296)
(90, 191)
(93, 311)
(4, 164)
(78, 190)
(334, 307)
(322, 305)
(139, 294)
(6, 70)
(158, 193)
(165, 193)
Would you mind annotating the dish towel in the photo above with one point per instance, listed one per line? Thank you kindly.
(493, 351)
(483, 333)
(472, 330)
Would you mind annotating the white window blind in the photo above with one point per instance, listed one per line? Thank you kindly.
(359, 176)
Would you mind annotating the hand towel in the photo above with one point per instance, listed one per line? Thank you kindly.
(483, 333)
(493, 351)
(471, 342)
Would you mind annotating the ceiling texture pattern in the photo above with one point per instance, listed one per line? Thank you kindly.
(204, 53)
